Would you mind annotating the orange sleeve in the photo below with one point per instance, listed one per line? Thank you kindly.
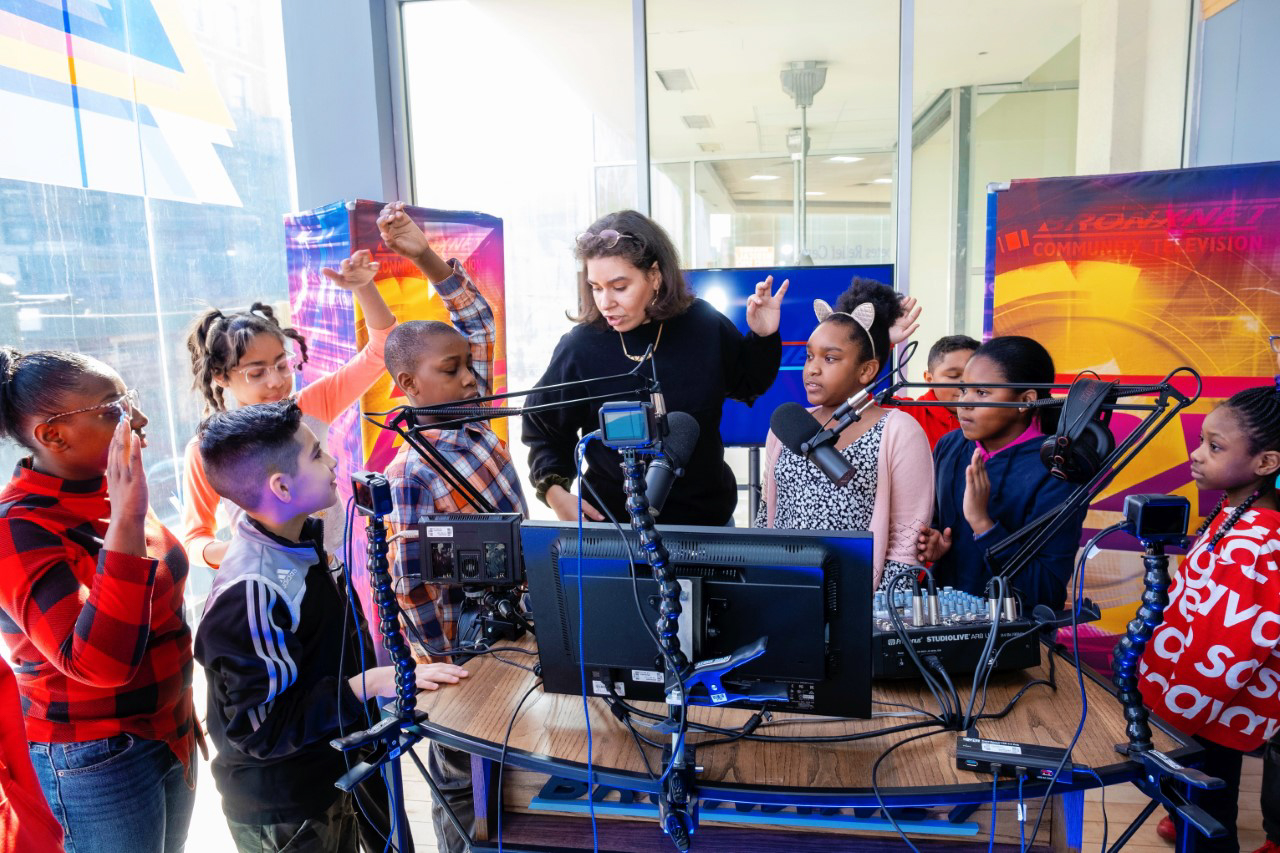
(328, 396)
(199, 507)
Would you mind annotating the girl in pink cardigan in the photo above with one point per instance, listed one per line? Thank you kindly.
(891, 494)
(243, 353)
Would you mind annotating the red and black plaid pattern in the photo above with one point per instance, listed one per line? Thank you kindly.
(100, 645)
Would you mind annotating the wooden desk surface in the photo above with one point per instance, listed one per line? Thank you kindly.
(552, 725)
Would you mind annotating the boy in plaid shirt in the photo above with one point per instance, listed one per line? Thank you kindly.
(432, 363)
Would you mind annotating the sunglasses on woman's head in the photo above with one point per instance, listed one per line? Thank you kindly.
(606, 239)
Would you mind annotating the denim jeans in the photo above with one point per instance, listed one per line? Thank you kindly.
(120, 793)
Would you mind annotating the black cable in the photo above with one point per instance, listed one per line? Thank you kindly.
(856, 736)
(1077, 590)
(1004, 712)
(900, 705)
(987, 678)
(470, 651)
(1102, 790)
(653, 634)
(502, 761)
(987, 661)
(875, 786)
(635, 736)
(909, 647)
(935, 663)
(711, 729)
(342, 651)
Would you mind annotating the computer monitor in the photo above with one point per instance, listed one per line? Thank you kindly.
(808, 592)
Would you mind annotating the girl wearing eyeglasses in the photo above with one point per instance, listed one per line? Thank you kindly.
(91, 587)
(243, 355)
(635, 305)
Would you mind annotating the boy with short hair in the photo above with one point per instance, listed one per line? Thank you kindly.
(270, 644)
(947, 358)
(433, 363)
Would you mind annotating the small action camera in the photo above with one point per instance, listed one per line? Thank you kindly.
(1157, 519)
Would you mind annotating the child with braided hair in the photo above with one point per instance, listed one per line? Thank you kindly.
(1212, 668)
(891, 493)
(243, 354)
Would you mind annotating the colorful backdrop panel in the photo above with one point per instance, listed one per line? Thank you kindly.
(335, 329)
(1131, 276)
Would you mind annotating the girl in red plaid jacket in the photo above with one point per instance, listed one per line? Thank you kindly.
(91, 606)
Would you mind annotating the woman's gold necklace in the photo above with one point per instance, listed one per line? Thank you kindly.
(639, 359)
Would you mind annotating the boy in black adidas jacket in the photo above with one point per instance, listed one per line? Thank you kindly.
(272, 641)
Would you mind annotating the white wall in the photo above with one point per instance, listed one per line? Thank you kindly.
(932, 241)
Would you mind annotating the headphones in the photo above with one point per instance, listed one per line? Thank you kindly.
(1084, 440)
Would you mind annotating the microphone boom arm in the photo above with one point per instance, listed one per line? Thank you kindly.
(402, 420)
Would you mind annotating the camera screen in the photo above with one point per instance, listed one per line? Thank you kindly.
(1158, 520)
(628, 425)
(363, 495)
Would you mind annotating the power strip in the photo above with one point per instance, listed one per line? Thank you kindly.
(1015, 759)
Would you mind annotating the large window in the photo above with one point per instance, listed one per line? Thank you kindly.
(1003, 92)
(772, 129)
(144, 168)
(524, 110)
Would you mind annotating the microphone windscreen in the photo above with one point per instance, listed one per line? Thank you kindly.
(682, 435)
(793, 425)
(1044, 614)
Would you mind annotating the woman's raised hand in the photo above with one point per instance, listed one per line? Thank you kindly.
(764, 307)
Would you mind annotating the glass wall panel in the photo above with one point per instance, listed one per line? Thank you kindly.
(524, 109)
(999, 94)
(150, 188)
(733, 88)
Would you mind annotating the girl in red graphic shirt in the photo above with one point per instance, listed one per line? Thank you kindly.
(91, 606)
(1212, 668)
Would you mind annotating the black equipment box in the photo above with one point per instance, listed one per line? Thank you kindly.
(959, 647)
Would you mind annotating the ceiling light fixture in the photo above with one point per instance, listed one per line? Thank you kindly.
(763, 178)
(842, 158)
(676, 79)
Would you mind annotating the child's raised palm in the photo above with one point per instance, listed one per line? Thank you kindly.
(354, 272)
(906, 325)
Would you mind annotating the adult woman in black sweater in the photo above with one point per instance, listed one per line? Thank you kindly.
(633, 296)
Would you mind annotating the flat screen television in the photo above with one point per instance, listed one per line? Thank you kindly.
(807, 592)
(728, 289)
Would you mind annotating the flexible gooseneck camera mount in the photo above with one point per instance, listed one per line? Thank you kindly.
(1161, 778)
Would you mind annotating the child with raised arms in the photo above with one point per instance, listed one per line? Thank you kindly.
(243, 355)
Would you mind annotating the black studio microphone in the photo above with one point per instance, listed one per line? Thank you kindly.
(793, 425)
(677, 447)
